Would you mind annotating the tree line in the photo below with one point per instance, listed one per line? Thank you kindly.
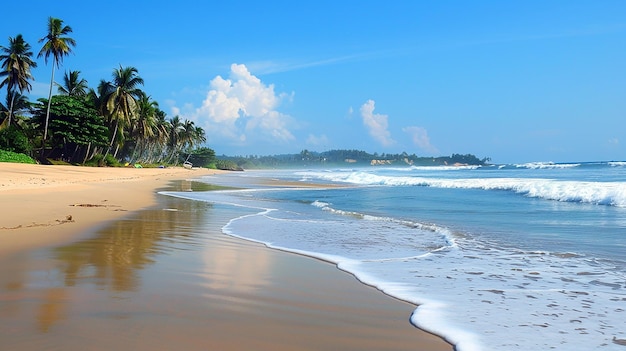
(344, 157)
(115, 122)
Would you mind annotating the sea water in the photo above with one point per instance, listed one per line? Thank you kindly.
(499, 257)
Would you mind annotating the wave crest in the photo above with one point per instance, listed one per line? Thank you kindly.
(598, 193)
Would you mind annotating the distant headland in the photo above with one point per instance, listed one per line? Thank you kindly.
(308, 158)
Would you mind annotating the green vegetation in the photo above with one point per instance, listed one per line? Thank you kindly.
(103, 161)
(230, 165)
(13, 139)
(114, 124)
(75, 126)
(308, 158)
(16, 65)
(202, 157)
(8, 156)
(57, 44)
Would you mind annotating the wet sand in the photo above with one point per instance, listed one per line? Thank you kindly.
(42, 205)
(165, 277)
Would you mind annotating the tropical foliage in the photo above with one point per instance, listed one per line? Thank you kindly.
(76, 129)
(308, 158)
(57, 45)
(14, 157)
(13, 139)
(114, 123)
(16, 65)
(73, 85)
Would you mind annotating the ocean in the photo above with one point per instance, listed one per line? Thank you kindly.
(499, 257)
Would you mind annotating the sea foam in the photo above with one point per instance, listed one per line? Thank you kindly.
(599, 193)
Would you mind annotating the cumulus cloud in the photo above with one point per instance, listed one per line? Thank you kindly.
(420, 138)
(241, 108)
(377, 124)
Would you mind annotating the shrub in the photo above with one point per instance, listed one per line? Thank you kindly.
(111, 161)
(13, 139)
(9, 156)
(94, 161)
(102, 161)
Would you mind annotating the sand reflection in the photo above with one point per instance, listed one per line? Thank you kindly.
(227, 267)
(52, 308)
(51, 290)
(112, 259)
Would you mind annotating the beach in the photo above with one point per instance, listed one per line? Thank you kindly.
(93, 258)
(44, 205)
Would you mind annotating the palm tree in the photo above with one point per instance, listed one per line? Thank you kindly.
(144, 125)
(199, 136)
(191, 135)
(183, 135)
(121, 98)
(20, 104)
(187, 133)
(160, 139)
(173, 138)
(72, 86)
(16, 65)
(57, 44)
(97, 99)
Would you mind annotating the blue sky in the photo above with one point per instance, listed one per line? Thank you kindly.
(516, 81)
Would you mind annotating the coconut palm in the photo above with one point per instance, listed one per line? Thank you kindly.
(199, 136)
(144, 125)
(160, 139)
(173, 137)
(183, 135)
(98, 97)
(72, 85)
(19, 104)
(121, 98)
(187, 133)
(16, 65)
(191, 135)
(58, 45)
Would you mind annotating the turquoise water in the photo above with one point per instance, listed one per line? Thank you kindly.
(493, 255)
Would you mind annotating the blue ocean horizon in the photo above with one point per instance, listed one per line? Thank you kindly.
(490, 254)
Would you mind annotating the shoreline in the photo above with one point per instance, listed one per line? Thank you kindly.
(44, 205)
(38, 202)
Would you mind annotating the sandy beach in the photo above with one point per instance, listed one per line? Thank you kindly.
(42, 205)
(94, 259)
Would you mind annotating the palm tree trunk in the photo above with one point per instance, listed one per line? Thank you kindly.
(86, 153)
(11, 109)
(112, 140)
(45, 131)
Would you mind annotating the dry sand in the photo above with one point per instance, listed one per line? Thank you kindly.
(42, 205)
(209, 291)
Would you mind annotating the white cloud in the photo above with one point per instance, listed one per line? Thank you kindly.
(420, 138)
(314, 140)
(377, 124)
(241, 108)
(614, 141)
